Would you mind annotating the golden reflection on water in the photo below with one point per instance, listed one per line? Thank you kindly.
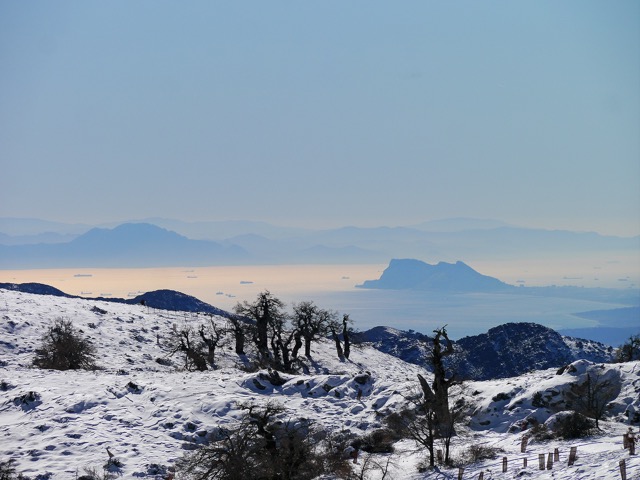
(220, 286)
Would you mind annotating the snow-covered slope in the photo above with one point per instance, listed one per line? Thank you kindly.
(149, 412)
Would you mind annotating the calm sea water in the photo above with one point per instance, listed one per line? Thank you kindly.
(333, 287)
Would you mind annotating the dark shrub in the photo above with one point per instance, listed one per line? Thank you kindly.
(540, 432)
(378, 441)
(63, 348)
(575, 425)
(539, 401)
(7, 470)
(501, 397)
(397, 423)
(477, 452)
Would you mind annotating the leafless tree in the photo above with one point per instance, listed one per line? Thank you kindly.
(260, 446)
(213, 337)
(420, 425)
(592, 396)
(312, 323)
(267, 312)
(184, 341)
(436, 395)
(335, 326)
(238, 326)
(630, 350)
(372, 466)
(277, 343)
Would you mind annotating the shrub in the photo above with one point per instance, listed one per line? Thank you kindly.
(500, 397)
(630, 350)
(539, 401)
(540, 432)
(397, 423)
(575, 425)
(7, 470)
(260, 446)
(476, 453)
(567, 425)
(379, 441)
(63, 348)
(92, 473)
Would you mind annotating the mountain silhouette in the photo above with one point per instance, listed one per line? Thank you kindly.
(450, 277)
(128, 245)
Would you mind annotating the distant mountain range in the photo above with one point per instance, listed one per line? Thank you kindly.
(128, 245)
(30, 243)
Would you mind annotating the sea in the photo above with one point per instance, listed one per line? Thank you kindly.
(335, 287)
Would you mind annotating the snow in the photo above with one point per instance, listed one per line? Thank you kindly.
(150, 414)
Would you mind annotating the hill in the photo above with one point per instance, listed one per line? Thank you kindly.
(161, 299)
(504, 351)
(149, 411)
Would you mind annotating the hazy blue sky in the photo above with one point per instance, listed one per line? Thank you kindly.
(322, 113)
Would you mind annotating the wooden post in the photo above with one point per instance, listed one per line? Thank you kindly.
(481, 476)
(550, 461)
(632, 447)
(541, 460)
(623, 469)
(504, 464)
(460, 473)
(625, 441)
(524, 462)
(523, 444)
(573, 453)
(439, 456)
(556, 455)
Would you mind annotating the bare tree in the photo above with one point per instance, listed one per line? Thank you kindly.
(420, 425)
(267, 312)
(345, 335)
(592, 396)
(286, 355)
(185, 342)
(311, 321)
(370, 464)
(260, 446)
(436, 395)
(213, 337)
(438, 392)
(277, 343)
(630, 350)
(447, 430)
(335, 326)
(238, 327)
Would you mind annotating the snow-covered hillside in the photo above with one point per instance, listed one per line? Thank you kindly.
(149, 412)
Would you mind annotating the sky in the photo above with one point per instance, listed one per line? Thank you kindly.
(322, 114)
